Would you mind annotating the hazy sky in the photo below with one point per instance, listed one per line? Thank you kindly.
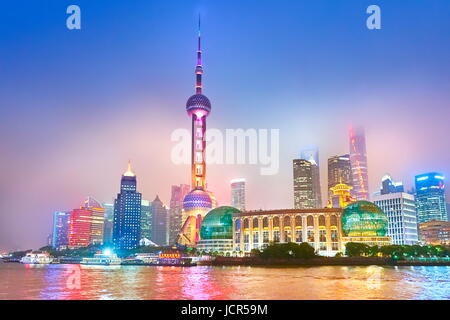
(76, 105)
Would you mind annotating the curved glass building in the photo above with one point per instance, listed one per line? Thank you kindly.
(216, 231)
(365, 222)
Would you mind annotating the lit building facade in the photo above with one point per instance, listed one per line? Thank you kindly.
(339, 171)
(390, 186)
(61, 224)
(400, 208)
(358, 162)
(435, 232)
(312, 155)
(97, 220)
(365, 222)
(304, 197)
(321, 228)
(109, 223)
(160, 232)
(238, 193)
(341, 196)
(146, 220)
(86, 224)
(176, 211)
(197, 202)
(127, 213)
(80, 228)
(216, 231)
(430, 197)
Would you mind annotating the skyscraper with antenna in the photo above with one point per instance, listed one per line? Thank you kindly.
(199, 201)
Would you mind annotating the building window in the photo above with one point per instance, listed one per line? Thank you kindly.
(287, 235)
(276, 236)
(298, 236)
(266, 236)
(310, 236)
(322, 221)
(298, 221)
(265, 223)
(276, 222)
(310, 221)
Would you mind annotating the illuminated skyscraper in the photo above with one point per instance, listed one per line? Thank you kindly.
(146, 219)
(61, 224)
(430, 197)
(109, 222)
(339, 171)
(97, 220)
(86, 224)
(312, 155)
(160, 220)
(358, 161)
(304, 197)
(238, 194)
(80, 228)
(390, 186)
(198, 202)
(127, 213)
(176, 211)
(400, 208)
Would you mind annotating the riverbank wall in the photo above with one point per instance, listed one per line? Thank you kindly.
(322, 261)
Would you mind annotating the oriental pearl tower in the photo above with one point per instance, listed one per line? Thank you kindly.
(199, 201)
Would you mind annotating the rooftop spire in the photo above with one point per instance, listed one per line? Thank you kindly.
(129, 172)
(199, 68)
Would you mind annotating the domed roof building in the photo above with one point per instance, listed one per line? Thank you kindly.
(365, 222)
(216, 231)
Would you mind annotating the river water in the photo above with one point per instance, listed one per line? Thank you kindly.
(19, 281)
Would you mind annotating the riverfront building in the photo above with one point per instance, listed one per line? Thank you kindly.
(435, 232)
(86, 224)
(430, 197)
(321, 228)
(216, 232)
(61, 224)
(127, 213)
(400, 208)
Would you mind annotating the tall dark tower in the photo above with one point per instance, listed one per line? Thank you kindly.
(127, 213)
(199, 201)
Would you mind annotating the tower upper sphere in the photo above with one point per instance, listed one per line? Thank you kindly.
(198, 103)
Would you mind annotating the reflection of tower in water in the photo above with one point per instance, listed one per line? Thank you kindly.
(199, 201)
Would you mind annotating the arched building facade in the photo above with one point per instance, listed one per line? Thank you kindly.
(321, 228)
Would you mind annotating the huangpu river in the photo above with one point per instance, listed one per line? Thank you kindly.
(19, 281)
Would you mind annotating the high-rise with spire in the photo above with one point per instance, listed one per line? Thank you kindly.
(127, 213)
(198, 202)
(358, 161)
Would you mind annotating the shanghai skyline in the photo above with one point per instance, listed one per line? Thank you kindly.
(87, 103)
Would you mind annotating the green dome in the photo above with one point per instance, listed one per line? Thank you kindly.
(364, 219)
(218, 224)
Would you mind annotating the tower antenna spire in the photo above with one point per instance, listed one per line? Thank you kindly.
(199, 67)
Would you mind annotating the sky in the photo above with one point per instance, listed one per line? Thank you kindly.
(76, 105)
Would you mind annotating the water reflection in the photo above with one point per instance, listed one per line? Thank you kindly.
(204, 283)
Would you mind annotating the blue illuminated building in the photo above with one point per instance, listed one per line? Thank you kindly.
(61, 222)
(430, 197)
(390, 186)
(127, 213)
